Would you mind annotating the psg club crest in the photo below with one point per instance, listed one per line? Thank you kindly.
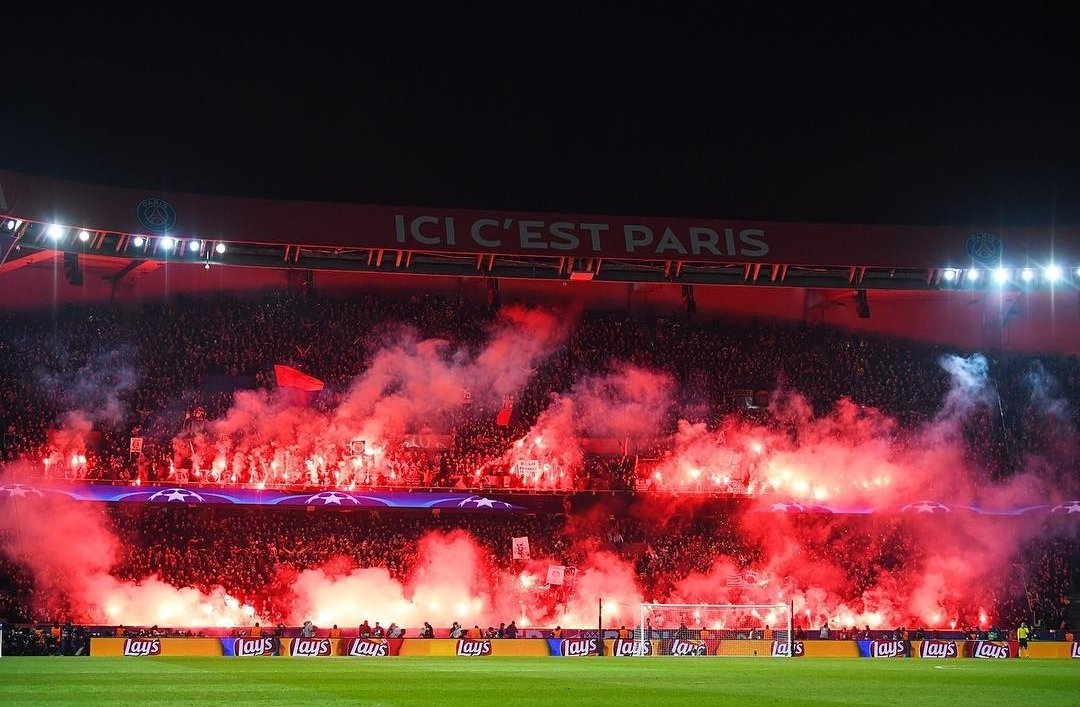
(156, 215)
(984, 248)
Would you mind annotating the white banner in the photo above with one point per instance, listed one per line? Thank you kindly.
(520, 548)
(556, 574)
(528, 466)
(136, 445)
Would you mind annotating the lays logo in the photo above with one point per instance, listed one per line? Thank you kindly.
(142, 646)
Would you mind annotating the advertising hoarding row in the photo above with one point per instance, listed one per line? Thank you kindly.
(250, 647)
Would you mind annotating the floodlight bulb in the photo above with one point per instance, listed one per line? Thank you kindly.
(84, 236)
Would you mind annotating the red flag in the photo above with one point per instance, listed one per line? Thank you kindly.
(503, 418)
(289, 377)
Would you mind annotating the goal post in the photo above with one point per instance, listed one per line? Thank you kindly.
(751, 630)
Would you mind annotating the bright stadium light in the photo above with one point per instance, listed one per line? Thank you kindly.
(1001, 276)
(973, 274)
(1027, 274)
(10, 224)
(219, 248)
(949, 274)
(1078, 272)
(195, 246)
(168, 243)
(1053, 273)
(84, 236)
(138, 241)
(55, 232)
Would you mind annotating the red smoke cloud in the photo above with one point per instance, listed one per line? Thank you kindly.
(409, 382)
(881, 571)
(70, 551)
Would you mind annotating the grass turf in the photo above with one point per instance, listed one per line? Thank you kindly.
(435, 682)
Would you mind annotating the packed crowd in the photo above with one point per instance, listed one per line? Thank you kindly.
(158, 370)
(257, 554)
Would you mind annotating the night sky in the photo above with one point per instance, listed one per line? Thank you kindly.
(910, 116)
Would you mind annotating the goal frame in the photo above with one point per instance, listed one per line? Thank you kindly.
(644, 609)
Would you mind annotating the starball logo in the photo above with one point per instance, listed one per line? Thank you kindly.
(781, 649)
(310, 647)
(142, 646)
(626, 647)
(367, 648)
(245, 647)
(938, 649)
(684, 647)
(468, 647)
(886, 649)
(573, 647)
(986, 649)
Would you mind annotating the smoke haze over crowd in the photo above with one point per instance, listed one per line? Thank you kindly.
(912, 562)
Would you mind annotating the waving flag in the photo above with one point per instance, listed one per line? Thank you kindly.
(297, 388)
(503, 418)
(289, 377)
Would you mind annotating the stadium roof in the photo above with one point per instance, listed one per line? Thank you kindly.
(136, 228)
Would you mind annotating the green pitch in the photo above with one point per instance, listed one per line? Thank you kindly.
(438, 682)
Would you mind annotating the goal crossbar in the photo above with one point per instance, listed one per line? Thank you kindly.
(645, 630)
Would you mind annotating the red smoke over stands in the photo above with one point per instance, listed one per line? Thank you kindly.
(733, 502)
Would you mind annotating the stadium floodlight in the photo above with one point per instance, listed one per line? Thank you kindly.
(55, 232)
(1053, 273)
(138, 241)
(1078, 272)
(1027, 274)
(973, 275)
(949, 274)
(84, 236)
(1001, 276)
(10, 224)
(168, 243)
(195, 246)
(219, 248)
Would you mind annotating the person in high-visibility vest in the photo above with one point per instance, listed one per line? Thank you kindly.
(1022, 635)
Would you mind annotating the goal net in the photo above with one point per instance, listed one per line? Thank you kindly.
(761, 630)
